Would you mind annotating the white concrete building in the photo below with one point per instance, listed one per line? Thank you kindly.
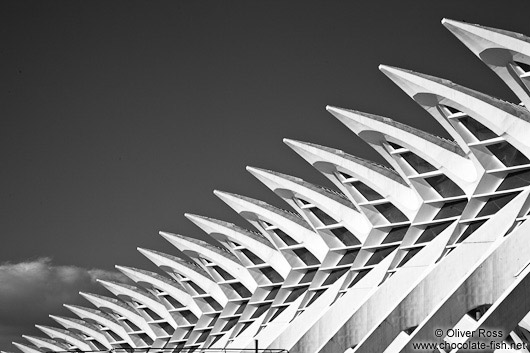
(434, 250)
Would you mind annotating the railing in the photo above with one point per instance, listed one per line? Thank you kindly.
(177, 350)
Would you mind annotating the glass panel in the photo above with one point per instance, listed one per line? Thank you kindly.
(174, 303)
(315, 296)
(272, 275)
(379, 255)
(394, 145)
(334, 275)
(203, 336)
(308, 277)
(451, 209)
(470, 229)
(98, 345)
(214, 320)
(131, 325)
(523, 66)
(431, 232)
(196, 287)
(295, 294)
(166, 327)
(188, 316)
(323, 216)
(507, 154)
(515, 180)
(495, 203)
(359, 276)
(145, 338)
(409, 256)
(348, 258)
(245, 326)
(451, 109)
(272, 293)
(241, 308)
(396, 234)
(260, 310)
(391, 213)
(419, 164)
(216, 338)
(345, 236)
(278, 312)
(304, 202)
(241, 290)
(444, 186)
(213, 303)
(367, 191)
(226, 276)
(253, 258)
(285, 238)
(477, 129)
(306, 257)
(114, 336)
(152, 314)
(230, 324)
(345, 176)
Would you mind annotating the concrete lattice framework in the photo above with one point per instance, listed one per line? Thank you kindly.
(438, 241)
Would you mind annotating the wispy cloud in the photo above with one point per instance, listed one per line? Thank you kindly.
(31, 290)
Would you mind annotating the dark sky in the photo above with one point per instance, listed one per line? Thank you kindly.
(117, 117)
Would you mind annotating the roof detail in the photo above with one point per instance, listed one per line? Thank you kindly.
(440, 141)
(438, 241)
(249, 233)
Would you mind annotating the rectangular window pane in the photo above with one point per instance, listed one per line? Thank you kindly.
(444, 186)
(345, 236)
(419, 164)
(368, 193)
(391, 213)
(451, 209)
(495, 203)
(477, 129)
(507, 154)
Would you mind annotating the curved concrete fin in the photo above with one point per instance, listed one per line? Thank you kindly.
(221, 230)
(505, 119)
(335, 204)
(289, 222)
(26, 348)
(479, 38)
(46, 343)
(385, 181)
(190, 245)
(119, 307)
(189, 270)
(219, 256)
(241, 203)
(166, 260)
(83, 327)
(253, 241)
(67, 336)
(150, 279)
(444, 155)
(162, 283)
(498, 49)
(101, 318)
(141, 296)
(92, 314)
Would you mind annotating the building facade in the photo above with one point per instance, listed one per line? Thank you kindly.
(434, 250)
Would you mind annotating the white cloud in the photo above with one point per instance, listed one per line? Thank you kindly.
(31, 290)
